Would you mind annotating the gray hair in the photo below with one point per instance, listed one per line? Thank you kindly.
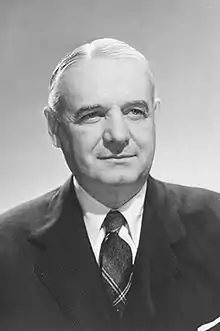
(105, 47)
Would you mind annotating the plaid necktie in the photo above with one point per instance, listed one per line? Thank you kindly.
(116, 261)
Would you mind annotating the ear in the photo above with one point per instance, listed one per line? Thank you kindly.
(156, 108)
(156, 105)
(52, 126)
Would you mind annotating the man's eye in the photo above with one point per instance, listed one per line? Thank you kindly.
(91, 117)
(136, 113)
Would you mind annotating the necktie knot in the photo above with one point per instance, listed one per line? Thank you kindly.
(113, 221)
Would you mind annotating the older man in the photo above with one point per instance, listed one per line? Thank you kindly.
(113, 248)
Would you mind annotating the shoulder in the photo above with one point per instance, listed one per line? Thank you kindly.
(198, 211)
(16, 225)
(28, 215)
(192, 212)
(190, 201)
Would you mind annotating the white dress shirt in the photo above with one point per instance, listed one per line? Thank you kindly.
(95, 212)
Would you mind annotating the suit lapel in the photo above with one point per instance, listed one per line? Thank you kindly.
(163, 228)
(66, 264)
(155, 265)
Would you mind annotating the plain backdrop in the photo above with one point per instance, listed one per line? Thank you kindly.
(181, 40)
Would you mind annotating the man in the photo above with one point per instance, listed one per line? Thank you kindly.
(113, 248)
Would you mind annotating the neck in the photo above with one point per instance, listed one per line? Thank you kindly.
(112, 196)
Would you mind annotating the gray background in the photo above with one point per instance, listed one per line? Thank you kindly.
(181, 40)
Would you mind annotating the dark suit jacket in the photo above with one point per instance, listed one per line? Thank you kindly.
(49, 278)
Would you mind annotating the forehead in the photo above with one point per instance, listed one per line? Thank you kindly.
(106, 81)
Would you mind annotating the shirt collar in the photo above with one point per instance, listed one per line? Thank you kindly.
(133, 210)
(94, 212)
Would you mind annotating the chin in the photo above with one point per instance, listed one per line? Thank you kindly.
(117, 179)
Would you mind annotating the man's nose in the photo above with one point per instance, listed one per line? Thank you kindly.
(116, 134)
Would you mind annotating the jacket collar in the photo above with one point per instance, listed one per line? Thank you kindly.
(164, 229)
(156, 264)
(65, 263)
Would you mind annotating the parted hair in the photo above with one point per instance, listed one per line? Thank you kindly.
(104, 47)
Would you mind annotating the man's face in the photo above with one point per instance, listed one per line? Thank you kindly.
(111, 139)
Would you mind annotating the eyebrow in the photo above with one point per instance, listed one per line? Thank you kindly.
(89, 108)
(136, 103)
(127, 104)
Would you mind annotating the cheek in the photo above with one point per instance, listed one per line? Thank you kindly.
(144, 137)
(82, 142)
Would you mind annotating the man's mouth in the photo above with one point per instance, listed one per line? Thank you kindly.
(116, 157)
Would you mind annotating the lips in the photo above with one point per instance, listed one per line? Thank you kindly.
(116, 157)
